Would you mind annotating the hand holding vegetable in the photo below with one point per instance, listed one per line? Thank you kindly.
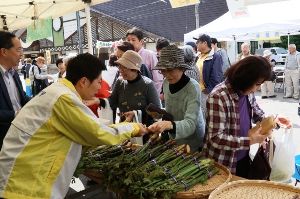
(143, 130)
(161, 126)
(256, 136)
(128, 116)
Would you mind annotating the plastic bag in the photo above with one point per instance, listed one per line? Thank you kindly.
(284, 156)
(106, 114)
(138, 119)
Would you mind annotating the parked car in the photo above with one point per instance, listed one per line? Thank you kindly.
(278, 54)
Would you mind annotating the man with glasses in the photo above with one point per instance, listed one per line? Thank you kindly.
(12, 95)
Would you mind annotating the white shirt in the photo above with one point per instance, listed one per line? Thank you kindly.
(12, 89)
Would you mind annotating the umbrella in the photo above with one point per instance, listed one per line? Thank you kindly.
(18, 14)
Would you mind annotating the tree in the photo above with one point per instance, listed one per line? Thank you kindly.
(294, 39)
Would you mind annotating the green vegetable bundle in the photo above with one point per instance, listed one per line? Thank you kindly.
(157, 170)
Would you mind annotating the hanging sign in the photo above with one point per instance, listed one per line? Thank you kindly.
(237, 8)
(255, 2)
(104, 44)
(182, 3)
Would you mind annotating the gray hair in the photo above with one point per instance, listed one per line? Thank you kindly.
(245, 44)
(292, 46)
(188, 53)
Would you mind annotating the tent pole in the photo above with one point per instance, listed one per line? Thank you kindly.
(79, 33)
(235, 47)
(88, 27)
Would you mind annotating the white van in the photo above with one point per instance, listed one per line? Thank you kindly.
(278, 54)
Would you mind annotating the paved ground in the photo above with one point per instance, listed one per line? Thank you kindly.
(286, 107)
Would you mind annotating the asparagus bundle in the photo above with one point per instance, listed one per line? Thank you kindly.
(96, 158)
(156, 170)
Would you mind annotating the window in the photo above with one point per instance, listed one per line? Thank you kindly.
(253, 46)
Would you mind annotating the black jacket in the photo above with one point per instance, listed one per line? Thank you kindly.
(7, 112)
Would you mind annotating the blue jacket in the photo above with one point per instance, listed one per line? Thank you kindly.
(7, 113)
(212, 70)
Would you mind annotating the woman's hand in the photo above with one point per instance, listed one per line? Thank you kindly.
(92, 101)
(128, 116)
(143, 130)
(256, 136)
(283, 122)
(161, 126)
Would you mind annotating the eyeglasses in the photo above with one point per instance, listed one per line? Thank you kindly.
(19, 50)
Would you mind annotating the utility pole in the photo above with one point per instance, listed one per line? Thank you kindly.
(89, 27)
(197, 15)
(79, 33)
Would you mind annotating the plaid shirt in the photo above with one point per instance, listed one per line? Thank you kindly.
(222, 140)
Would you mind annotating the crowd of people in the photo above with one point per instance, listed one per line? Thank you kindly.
(210, 100)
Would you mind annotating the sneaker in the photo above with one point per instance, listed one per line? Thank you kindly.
(264, 97)
(287, 96)
(272, 96)
(296, 98)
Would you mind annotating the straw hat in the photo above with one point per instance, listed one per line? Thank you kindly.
(171, 57)
(131, 60)
(267, 53)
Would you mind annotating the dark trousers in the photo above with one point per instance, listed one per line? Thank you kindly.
(243, 167)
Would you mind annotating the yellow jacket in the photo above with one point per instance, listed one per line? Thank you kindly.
(43, 145)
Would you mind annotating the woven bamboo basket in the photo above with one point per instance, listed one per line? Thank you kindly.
(94, 175)
(258, 189)
(202, 191)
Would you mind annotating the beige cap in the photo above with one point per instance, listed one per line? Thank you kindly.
(267, 53)
(131, 60)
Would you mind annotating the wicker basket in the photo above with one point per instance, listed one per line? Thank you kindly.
(258, 189)
(202, 191)
(94, 175)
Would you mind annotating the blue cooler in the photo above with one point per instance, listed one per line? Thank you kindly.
(28, 87)
(297, 169)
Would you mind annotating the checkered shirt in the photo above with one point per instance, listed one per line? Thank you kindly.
(222, 139)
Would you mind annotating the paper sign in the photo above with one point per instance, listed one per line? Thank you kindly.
(102, 44)
(237, 8)
(255, 2)
(182, 3)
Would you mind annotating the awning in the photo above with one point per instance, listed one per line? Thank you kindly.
(18, 14)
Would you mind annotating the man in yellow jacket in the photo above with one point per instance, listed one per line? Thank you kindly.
(43, 145)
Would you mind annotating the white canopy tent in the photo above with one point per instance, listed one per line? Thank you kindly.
(19, 14)
(280, 17)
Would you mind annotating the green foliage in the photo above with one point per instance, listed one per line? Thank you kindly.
(154, 171)
(294, 39)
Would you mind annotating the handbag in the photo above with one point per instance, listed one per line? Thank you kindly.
(260, 168)
(138, 119)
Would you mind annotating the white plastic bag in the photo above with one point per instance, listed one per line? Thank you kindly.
(284, 156)
(137, 118)
(106, 114)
